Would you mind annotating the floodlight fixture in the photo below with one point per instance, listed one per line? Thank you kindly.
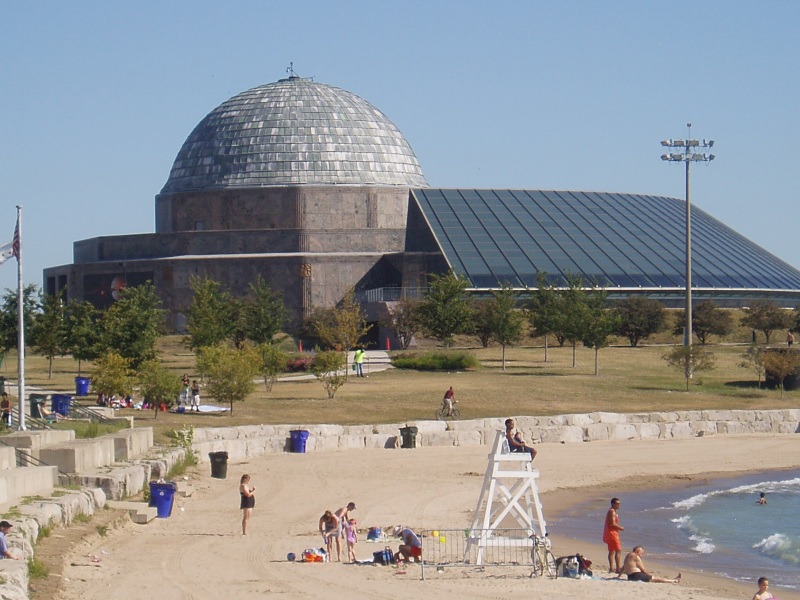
(688, 155)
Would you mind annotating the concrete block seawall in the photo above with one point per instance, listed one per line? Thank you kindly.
(249, 441)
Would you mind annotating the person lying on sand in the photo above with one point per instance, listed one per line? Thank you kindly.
(633, 567)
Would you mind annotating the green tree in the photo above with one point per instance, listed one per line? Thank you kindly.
(329, 369)
(112, 374)
(9, 319)
(690, 360)
(707, 320)
(210, 318)
(572, 318)
(753, 360)
(781, 363)
(341, 327)
(264, 313)
(482, 320)
(157, 384)
(132, 325)
(230, 372)
(543, 311)
(48, 333)
(446, 309)
(601, 322)
(639, 318)
(766, 316)
(404, 320)
(82, 331)
(505, 321)
(272, 364)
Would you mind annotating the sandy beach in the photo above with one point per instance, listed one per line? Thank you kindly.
(199, 551)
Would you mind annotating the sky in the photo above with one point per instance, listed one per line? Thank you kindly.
(98, 97)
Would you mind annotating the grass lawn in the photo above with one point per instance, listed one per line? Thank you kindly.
(630, 379)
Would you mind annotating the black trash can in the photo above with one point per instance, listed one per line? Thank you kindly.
(298, 438)
(409, 435)
(219, 464)
(162, 496)
(36, 403)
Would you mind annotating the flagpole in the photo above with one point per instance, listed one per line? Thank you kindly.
(20, 323)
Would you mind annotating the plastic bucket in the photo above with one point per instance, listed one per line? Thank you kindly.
(219, 464)
(82, 386)
(298, 438)
(162, 496)
(60, 404)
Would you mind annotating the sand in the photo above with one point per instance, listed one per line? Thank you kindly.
(199, 551)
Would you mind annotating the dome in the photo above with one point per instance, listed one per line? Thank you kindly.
(294, 131)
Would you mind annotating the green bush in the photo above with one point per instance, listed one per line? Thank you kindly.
(437, 361)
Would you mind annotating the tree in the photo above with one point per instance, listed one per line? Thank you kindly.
(273, 363)
(689, 360)
(404, 320)
(82, 331)
(230, 372)
(329, 368)
(112, 374)
(753, 359)
(504, 320)
(601, 322)
(542, 310)
(707, 320)
(482, 318)
(639, 318)
(48, 332)
(782, 363)
(341, 327)
(572, 315)
(157, 384)
(766, 316)
(132, 324)
(446, 310)
(264, 315)
(210, 318)
(9, 317)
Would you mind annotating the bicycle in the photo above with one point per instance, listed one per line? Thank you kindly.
(442, 415)
(542, 557)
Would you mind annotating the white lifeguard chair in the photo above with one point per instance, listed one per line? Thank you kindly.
(509, 490)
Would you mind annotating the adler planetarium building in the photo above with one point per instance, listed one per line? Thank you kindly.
(317, 191)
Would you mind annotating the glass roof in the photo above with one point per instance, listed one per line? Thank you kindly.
(613, 240)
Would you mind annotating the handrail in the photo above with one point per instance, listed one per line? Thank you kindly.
(88, 413)
(26, 459)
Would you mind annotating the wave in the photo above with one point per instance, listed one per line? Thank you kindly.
(780, 547)
(787, 485)
(702, 542)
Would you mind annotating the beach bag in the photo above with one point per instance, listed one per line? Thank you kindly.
(374, 534)
(383, 557)
(567, 566)
(584, 565)
(314, 555)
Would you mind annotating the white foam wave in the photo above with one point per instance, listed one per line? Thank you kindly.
(703, 545)
(786, 485)
(780, 547)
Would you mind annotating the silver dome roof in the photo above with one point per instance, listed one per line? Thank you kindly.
(294, 131)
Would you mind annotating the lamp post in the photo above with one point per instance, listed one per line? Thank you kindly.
(688, 151)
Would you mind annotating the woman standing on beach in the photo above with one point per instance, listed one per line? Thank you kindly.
(248, 500)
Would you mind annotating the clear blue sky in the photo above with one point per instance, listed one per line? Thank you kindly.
(97, 98)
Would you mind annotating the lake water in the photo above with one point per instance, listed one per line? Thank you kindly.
(713, 526)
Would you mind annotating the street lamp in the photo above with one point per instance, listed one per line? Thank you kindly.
(688, 151)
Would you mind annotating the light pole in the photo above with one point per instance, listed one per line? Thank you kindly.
(688, 151)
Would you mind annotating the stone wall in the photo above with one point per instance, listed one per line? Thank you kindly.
(246, 442)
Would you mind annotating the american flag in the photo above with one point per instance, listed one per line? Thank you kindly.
(15, 242)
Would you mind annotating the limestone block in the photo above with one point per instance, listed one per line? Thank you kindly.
(317, 443)
(664, 417)
(140, 513)
(677, 430)
(566, 434)
(469, 438)
(43, 512)
(785, 427)
(98, 496)
(15, 574)
(744, 416)
(324, 430)
(8, 458)
(357, 430)
(732, 427)
(717, 415)
(639, 417)
(26, 481)
(130, 444)
(582, 420)
(352, 442)
(38, 439)
(596, 432)
(471, 425)
(791, 414)
(649, 431)
(690, 415)
(446, 438)
(493, 424)
(553, 421)
(759, 426)
(385, 429)
(79, 456)
(704, 427)
(380, 441)
(769, 415)
(184, 489)
(426, 426)
(622, 431)
(610, 418)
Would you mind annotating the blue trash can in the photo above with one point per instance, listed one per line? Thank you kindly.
(61, 404)
(82, 386)
(162, 496)
(298, 438)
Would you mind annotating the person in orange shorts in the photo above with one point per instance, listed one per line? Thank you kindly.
(611, 531)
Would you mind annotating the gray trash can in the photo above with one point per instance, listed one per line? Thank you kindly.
(219, 464)
(409, 436)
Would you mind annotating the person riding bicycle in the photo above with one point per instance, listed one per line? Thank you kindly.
(448, 401)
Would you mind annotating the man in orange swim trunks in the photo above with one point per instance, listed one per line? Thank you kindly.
(611, 531)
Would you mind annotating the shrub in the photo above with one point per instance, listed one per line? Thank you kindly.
(437, 361)
(299, 363)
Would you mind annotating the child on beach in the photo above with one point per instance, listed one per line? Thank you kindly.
(351, 535)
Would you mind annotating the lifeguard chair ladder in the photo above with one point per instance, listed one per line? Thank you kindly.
(509, 490)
